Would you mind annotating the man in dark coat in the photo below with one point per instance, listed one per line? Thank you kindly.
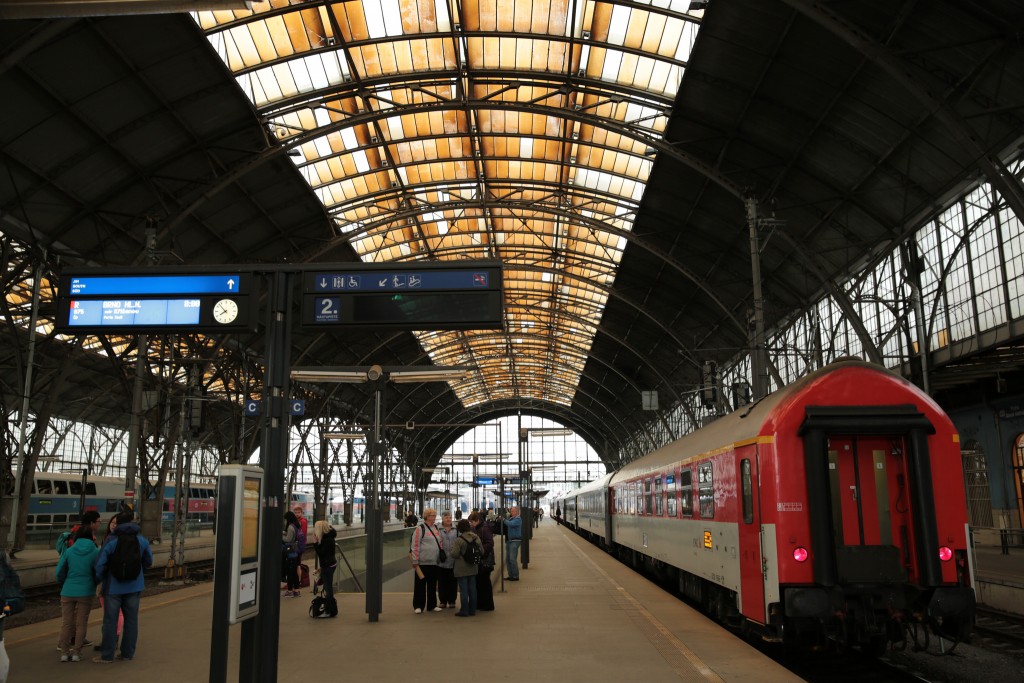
(484, 592)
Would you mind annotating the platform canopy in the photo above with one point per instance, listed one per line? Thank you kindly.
(606, 152)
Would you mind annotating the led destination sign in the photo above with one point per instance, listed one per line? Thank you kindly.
(133, 312)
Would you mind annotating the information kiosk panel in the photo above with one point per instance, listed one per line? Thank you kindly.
(242, 486)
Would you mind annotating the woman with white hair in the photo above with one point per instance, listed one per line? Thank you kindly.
(425, 553)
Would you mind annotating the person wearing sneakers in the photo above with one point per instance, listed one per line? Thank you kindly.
(514, 537)
(122, 562)
(425, 550)
(290, 544)
(76, 575)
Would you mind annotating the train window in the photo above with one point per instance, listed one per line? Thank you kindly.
(748, 492)
(60, 520)
(44, 487)
(60, 488)
(90, 488)
(670, 504)
(42, 519)
(686, 493)
(648, 497)
(706, 491)
(657, 497)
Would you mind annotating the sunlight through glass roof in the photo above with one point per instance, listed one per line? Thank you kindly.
(444, 130)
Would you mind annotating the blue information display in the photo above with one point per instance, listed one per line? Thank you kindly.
(144, 285)
(415, 296)
(163, 301)
(385, 281)
(133, 312)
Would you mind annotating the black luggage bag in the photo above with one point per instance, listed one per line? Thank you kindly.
(321, 607)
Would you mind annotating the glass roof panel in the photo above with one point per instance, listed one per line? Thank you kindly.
(506, 129)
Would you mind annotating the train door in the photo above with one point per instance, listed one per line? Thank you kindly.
(752, 570)
(870, 508)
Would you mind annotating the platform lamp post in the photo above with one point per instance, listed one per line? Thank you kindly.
(379, 376)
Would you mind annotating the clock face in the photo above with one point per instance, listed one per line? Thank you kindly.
(225, 311)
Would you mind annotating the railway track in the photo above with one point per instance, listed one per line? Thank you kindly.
(999, 631)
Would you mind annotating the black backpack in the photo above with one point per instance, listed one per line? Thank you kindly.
(126, 560)
(473, 553)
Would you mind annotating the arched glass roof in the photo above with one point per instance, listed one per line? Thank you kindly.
(442, 130)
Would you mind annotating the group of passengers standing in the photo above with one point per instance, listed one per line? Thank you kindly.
(439, 557)
(84, 571)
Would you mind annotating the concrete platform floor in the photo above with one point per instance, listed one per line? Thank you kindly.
(576, 615)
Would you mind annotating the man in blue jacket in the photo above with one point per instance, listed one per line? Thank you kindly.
(514, 534)
(122, 594)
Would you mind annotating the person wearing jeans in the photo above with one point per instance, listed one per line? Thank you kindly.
(122, 596)
(514, 534)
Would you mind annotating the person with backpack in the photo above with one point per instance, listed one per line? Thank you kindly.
(484, 589)
(468, 552)
(90, 520)
(293, 542)
(120, 567)
(76, 575)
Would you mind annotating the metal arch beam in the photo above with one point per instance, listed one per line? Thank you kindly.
(542, 342)
(554, 381)
(446, 436)
(901, 70)
(285, 9)
(226, 179)
(441, 440)
(594, 400)
(631, 237)
(610, 292)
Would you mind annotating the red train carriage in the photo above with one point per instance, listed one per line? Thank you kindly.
(832, 508)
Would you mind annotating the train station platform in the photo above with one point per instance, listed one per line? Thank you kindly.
(575, 615)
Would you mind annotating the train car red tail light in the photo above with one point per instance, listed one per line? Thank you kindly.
(800, 554)
(945, 553)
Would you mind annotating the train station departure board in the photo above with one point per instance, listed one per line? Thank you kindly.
(114, 301)
(415, 296)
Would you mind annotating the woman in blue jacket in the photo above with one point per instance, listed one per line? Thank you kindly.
(76, 572)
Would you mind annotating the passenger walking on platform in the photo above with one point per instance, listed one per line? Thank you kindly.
(514, 536)
(290, 545)
(76, 575)
(484, 590)
(327, 555)
(122, 562)
(426, 547)
(446, 586)
(465, 571)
